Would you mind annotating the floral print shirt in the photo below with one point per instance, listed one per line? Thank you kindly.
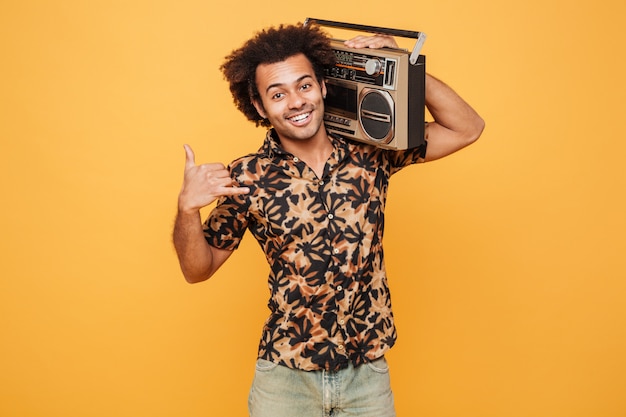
(322, 237)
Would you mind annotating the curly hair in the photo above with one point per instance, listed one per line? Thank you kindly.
(269, 46)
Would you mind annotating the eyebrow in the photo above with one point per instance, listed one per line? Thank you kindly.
(275, 85)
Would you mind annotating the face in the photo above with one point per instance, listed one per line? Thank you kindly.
(291, 98)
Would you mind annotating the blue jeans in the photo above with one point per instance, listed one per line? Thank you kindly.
(364, 391)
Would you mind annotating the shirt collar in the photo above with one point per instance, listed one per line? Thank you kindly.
(272, 148)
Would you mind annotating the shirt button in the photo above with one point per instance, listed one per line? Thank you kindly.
(330, 216)
(296, 159)
(322, 182)
(340, 347)
(335, 251)
(339, 288)
(342, 322)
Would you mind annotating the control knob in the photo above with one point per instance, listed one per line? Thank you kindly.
(372, 66)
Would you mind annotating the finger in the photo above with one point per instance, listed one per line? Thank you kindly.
(356, 42)
(215, 167)
(219, 179)
(363, 39)
(233, 186)
(375, 41)
(190, 157)
(235, 190)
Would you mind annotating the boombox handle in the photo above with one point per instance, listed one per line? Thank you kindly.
(420, 36)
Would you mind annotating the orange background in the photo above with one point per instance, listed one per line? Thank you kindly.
(506, 260)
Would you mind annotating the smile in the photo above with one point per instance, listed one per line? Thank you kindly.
(300, 117)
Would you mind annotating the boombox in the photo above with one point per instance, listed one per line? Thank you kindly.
(376, 95)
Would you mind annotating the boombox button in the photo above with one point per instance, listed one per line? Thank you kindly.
(336, 119)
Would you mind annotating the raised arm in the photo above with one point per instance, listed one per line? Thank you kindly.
(202, 185)
(456, 124)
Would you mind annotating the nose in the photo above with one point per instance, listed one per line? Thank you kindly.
(296, 100)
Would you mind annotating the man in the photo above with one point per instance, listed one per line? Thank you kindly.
(315, 203)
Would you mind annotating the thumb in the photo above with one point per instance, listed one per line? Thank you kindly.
(190, 158)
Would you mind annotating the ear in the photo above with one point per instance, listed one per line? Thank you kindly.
(259, 108)
(324, 91)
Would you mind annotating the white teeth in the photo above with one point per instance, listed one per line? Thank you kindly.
(299, 117)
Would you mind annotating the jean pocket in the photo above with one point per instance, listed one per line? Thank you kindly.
(263, 365)
(379, 365)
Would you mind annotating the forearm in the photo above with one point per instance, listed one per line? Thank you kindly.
(194, 253)
(202, 185)
(456, 124)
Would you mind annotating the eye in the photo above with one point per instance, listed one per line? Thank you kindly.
(306, 86)
(278, 96)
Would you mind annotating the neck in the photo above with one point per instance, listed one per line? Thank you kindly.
(314, 151)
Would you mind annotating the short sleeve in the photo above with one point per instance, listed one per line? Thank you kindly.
(226, 224)
(404, 158)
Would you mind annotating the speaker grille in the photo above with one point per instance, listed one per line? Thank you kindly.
(376, 114)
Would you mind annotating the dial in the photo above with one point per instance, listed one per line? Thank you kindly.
(372, 66)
